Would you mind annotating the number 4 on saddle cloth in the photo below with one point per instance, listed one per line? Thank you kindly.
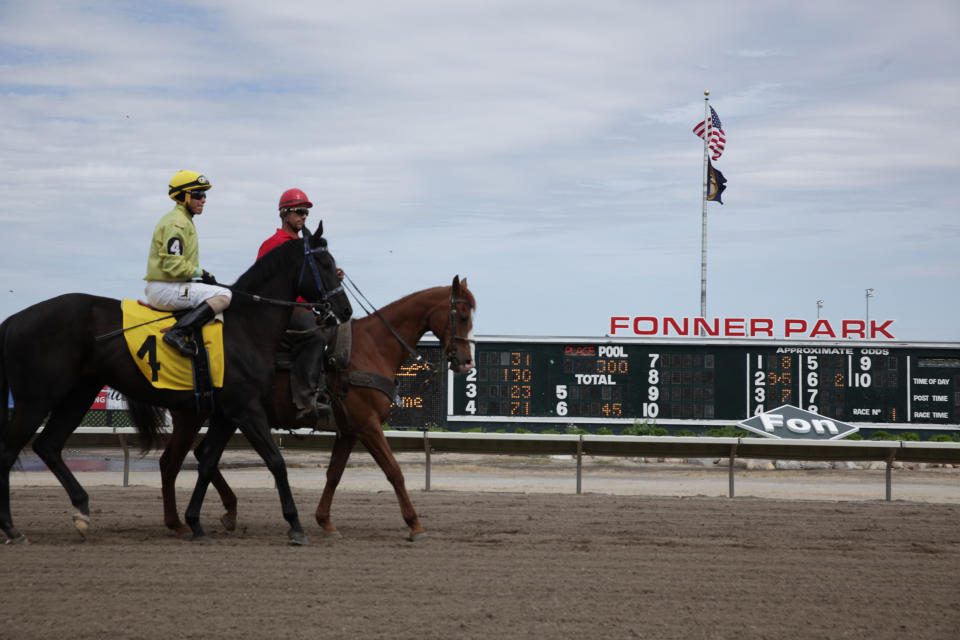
(163, 365)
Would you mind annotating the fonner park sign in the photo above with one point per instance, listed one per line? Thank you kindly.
(789, 328)
(790, 422)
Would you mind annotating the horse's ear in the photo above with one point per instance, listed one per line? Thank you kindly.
(455, 287)
(319, 230)
(306, 233)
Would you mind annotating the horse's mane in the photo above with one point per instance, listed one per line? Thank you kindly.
(267, 266)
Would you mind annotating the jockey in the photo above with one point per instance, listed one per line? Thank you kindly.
(294, 209)
(304, 340)
(173, 265)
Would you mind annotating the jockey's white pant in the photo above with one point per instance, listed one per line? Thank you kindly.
(170, 296)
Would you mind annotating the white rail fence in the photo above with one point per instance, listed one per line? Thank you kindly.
(578, 446)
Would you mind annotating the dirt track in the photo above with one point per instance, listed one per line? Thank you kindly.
(494, 565)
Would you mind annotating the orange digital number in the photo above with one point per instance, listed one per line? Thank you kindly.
(614, 409)
(519, 359)
(518, 408)
(520, 375)
(612, 366)
(520, 391)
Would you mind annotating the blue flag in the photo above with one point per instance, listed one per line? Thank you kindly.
(717, 183)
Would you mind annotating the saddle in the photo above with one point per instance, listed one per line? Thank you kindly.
(162, 365)
(338, 347)
(338, 358)
(338, 343)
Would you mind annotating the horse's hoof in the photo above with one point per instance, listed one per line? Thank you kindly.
(417, 536)
(82, 524)
(229, 522)
(332, 535)
(202, 539)
(21, 539)
(298, 540)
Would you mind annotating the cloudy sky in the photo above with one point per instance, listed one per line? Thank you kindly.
(543, 149)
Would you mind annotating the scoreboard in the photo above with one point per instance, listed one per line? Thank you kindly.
(582, 381)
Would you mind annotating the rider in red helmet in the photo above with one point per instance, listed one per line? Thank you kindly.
(294, 209)
(303, 340)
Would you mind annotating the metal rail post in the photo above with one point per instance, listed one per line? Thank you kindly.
(126, 460)
(733, 454)
(579, 463)
(426, 451)
(893, 454)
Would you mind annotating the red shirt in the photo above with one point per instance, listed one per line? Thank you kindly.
(274, 241)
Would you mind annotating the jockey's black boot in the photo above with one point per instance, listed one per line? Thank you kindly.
(179, 334)
(311, 398)
(322, 399)
(308, 381)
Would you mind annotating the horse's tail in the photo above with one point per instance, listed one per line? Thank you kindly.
(149, 422)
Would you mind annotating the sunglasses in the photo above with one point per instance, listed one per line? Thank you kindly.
(198, 195)
(299, 212)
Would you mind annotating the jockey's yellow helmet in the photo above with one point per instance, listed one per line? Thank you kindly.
(184, 182)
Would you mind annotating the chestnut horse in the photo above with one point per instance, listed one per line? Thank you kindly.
(56, 355)
(380, 346)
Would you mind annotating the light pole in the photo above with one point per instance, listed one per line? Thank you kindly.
(819, 306)
(869, 294)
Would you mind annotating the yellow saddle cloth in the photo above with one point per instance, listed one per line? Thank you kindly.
(160, 363)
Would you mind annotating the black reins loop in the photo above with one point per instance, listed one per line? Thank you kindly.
(354, 291)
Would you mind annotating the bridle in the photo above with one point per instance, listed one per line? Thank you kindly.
(449, 348)
(323, 308)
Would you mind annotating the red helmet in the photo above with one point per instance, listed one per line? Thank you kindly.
(294, 198)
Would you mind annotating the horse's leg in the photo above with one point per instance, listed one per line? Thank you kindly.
(185, 428)
(376, 443)
(342, 446)
(208, 457)
(62, 422)
(21, 427)
(227, 496)
(261, 440)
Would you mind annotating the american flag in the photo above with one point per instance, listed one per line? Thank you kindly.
(718, 139)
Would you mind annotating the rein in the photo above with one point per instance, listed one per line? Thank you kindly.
(275, 301)
(354, 291)
(446, 352)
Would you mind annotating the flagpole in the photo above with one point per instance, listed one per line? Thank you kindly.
(708, 123)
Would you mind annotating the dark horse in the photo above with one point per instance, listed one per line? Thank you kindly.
(53, 363)
(380, 346)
